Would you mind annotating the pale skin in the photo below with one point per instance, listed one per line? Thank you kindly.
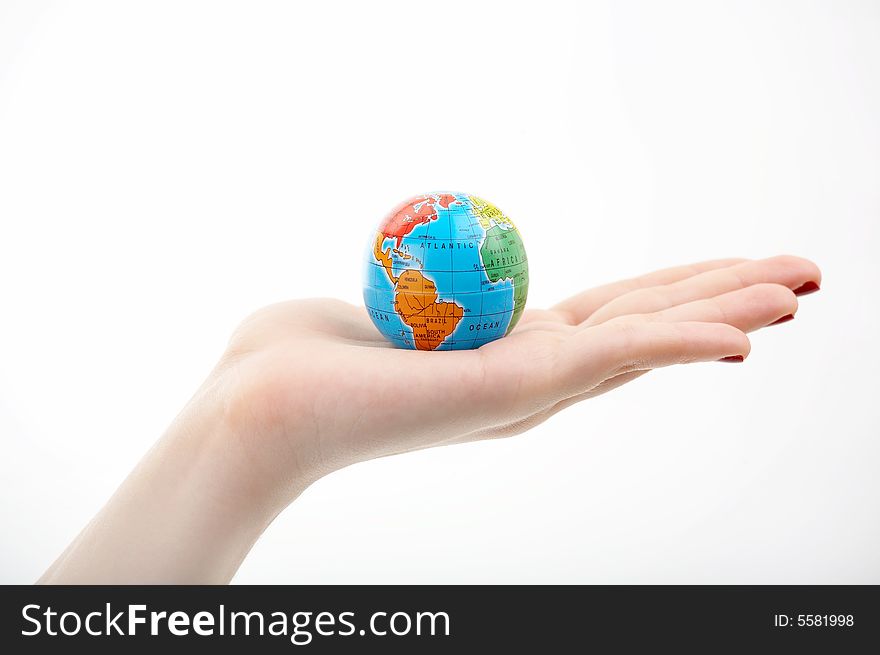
(303, 389)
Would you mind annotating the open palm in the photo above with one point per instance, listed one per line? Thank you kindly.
(315, 387)
(307, 387)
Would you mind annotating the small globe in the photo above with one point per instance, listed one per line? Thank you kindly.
(445, 271)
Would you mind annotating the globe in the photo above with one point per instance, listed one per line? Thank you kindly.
(445, 271)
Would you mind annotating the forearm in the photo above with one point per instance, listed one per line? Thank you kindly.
(188, 513)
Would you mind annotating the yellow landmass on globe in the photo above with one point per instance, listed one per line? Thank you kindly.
(487, 213)
(415, 300)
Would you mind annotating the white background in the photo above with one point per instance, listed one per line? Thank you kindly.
(166, 168)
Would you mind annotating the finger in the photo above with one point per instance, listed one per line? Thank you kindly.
(624, 346)
(527, 423)
(746, 309)
(791, 272)
(578, 308)
(593, 361)
(609, 385)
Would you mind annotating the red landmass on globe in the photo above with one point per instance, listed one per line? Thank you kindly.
(405, 217)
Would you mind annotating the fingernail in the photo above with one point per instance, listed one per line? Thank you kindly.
(733, 359)
(784, 319)
(805, 288)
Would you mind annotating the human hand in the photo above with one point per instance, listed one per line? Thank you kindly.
(308, 387)
(312, 386)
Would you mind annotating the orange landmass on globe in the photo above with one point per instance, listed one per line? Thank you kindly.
(415, 211)
(415, 300)
(384, 257)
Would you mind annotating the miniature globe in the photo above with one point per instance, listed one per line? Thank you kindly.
(445, 271)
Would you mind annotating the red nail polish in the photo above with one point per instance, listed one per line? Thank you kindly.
(805, 288)
(784, 319)
(733, 359)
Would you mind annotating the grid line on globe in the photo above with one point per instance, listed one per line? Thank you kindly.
(427, 292)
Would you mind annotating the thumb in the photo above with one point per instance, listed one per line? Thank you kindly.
(621, 346)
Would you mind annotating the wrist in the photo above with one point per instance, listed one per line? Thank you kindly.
(188, 513)
(268, 458)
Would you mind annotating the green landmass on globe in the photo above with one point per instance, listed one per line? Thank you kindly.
(445, 271)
